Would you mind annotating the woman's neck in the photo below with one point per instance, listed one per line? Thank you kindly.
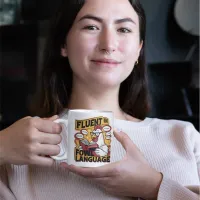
(83, 97)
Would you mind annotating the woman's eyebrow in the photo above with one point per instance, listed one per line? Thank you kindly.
(98, 19)
(118, 21)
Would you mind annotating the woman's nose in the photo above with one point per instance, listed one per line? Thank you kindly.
(108, 41)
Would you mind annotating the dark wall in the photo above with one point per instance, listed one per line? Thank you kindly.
(38, 9)
(18, 68)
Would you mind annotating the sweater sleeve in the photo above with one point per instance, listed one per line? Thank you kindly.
(172, 190)
(5, 192)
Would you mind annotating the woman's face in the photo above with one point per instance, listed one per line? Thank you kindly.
(103, 43)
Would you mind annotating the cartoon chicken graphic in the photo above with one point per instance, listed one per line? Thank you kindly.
(98, 140)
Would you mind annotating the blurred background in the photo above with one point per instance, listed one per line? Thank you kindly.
(172, 51)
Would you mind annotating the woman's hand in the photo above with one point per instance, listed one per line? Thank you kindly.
(28, 141)
(132, 176)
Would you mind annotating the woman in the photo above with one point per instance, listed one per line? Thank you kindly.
(94, 60)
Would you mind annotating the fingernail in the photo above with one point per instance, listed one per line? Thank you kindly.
(63, 165)
(57, 128)
(118, 130)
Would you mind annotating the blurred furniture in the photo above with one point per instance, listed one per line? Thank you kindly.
(10, 12)
(170, 92)
(186, 13)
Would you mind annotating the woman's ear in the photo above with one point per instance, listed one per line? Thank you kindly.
(63, 51)
(139, 48)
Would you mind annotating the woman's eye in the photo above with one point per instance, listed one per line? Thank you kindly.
(92, 28)
(124, 30)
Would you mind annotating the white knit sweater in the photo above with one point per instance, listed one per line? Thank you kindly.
(170, 146)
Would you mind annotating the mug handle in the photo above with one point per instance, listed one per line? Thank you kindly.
(63, 151)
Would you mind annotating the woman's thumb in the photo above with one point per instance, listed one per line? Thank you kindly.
(125, 141)
(123, 138)
(53, 118)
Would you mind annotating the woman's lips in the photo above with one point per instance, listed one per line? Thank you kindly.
(106, 62)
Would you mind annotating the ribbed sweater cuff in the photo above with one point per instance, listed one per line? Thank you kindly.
(171, 190)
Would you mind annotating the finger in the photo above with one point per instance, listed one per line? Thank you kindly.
(95, 172)
(64, 165)
(47, 149)
(53, 118)
(101, 181)
(43, 161)
(126, 142)
(47, 126)
(46, 138)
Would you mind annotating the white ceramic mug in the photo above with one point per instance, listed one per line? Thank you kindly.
(86, 138)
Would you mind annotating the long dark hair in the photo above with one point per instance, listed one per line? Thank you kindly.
(56, 76)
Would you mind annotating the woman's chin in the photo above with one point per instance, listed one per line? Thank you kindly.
(107, 83)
